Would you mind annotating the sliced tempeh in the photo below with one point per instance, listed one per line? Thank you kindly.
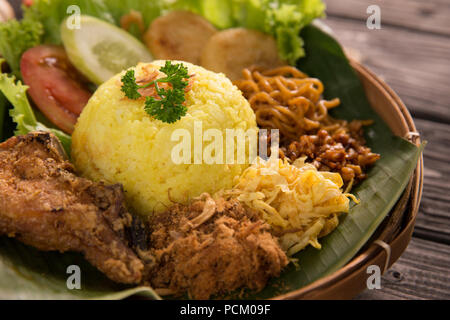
(179, 35)
(232, 50)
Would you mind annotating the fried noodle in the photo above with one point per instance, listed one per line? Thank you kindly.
(285, 98)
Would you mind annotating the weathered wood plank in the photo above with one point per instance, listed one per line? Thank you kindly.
(433, 221)
(416, 65)
(397, 56)
(430, 16)
(422, 272)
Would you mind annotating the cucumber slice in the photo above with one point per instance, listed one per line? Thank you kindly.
(100, 50)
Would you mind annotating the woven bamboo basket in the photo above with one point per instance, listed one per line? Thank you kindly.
(393, 235)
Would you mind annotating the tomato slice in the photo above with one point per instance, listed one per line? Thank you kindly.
(27, 3)
(55, 86)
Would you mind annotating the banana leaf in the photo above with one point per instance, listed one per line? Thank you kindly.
(26, 273)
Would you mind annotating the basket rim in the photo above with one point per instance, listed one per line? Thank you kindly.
(413, 192)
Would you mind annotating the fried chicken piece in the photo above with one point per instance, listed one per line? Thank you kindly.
(45, 205)
(212, 247)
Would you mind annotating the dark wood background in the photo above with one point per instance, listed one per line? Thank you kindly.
(411, 52)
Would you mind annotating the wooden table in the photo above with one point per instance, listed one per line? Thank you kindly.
(411, 52)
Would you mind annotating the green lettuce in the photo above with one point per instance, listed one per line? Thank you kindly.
(50, 13)
(286, 23)
(3, 108)
(22, 113)
(149, 9)
(15, 38)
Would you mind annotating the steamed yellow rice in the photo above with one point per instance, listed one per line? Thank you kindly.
(117, 141)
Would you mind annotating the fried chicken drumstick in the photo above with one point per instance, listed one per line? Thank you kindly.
(45, 205)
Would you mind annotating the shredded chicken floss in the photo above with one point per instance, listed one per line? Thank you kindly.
(299, 202)
(212, 247)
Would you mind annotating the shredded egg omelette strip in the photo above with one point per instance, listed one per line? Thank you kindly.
(299, 202)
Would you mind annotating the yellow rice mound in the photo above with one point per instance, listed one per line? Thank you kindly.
(115, 140)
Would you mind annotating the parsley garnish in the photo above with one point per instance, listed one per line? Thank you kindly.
(169, 107)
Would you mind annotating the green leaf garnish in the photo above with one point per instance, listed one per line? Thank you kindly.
(129, 86)
(16, 37)
(176, 75)
(170, 106)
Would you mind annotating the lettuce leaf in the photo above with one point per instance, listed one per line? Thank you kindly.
(15, 38)
(50, 13)
(286, 23)
(149, 9)
(22, 113)
(3, 108)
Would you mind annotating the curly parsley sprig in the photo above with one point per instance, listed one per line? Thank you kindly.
(169, 107)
